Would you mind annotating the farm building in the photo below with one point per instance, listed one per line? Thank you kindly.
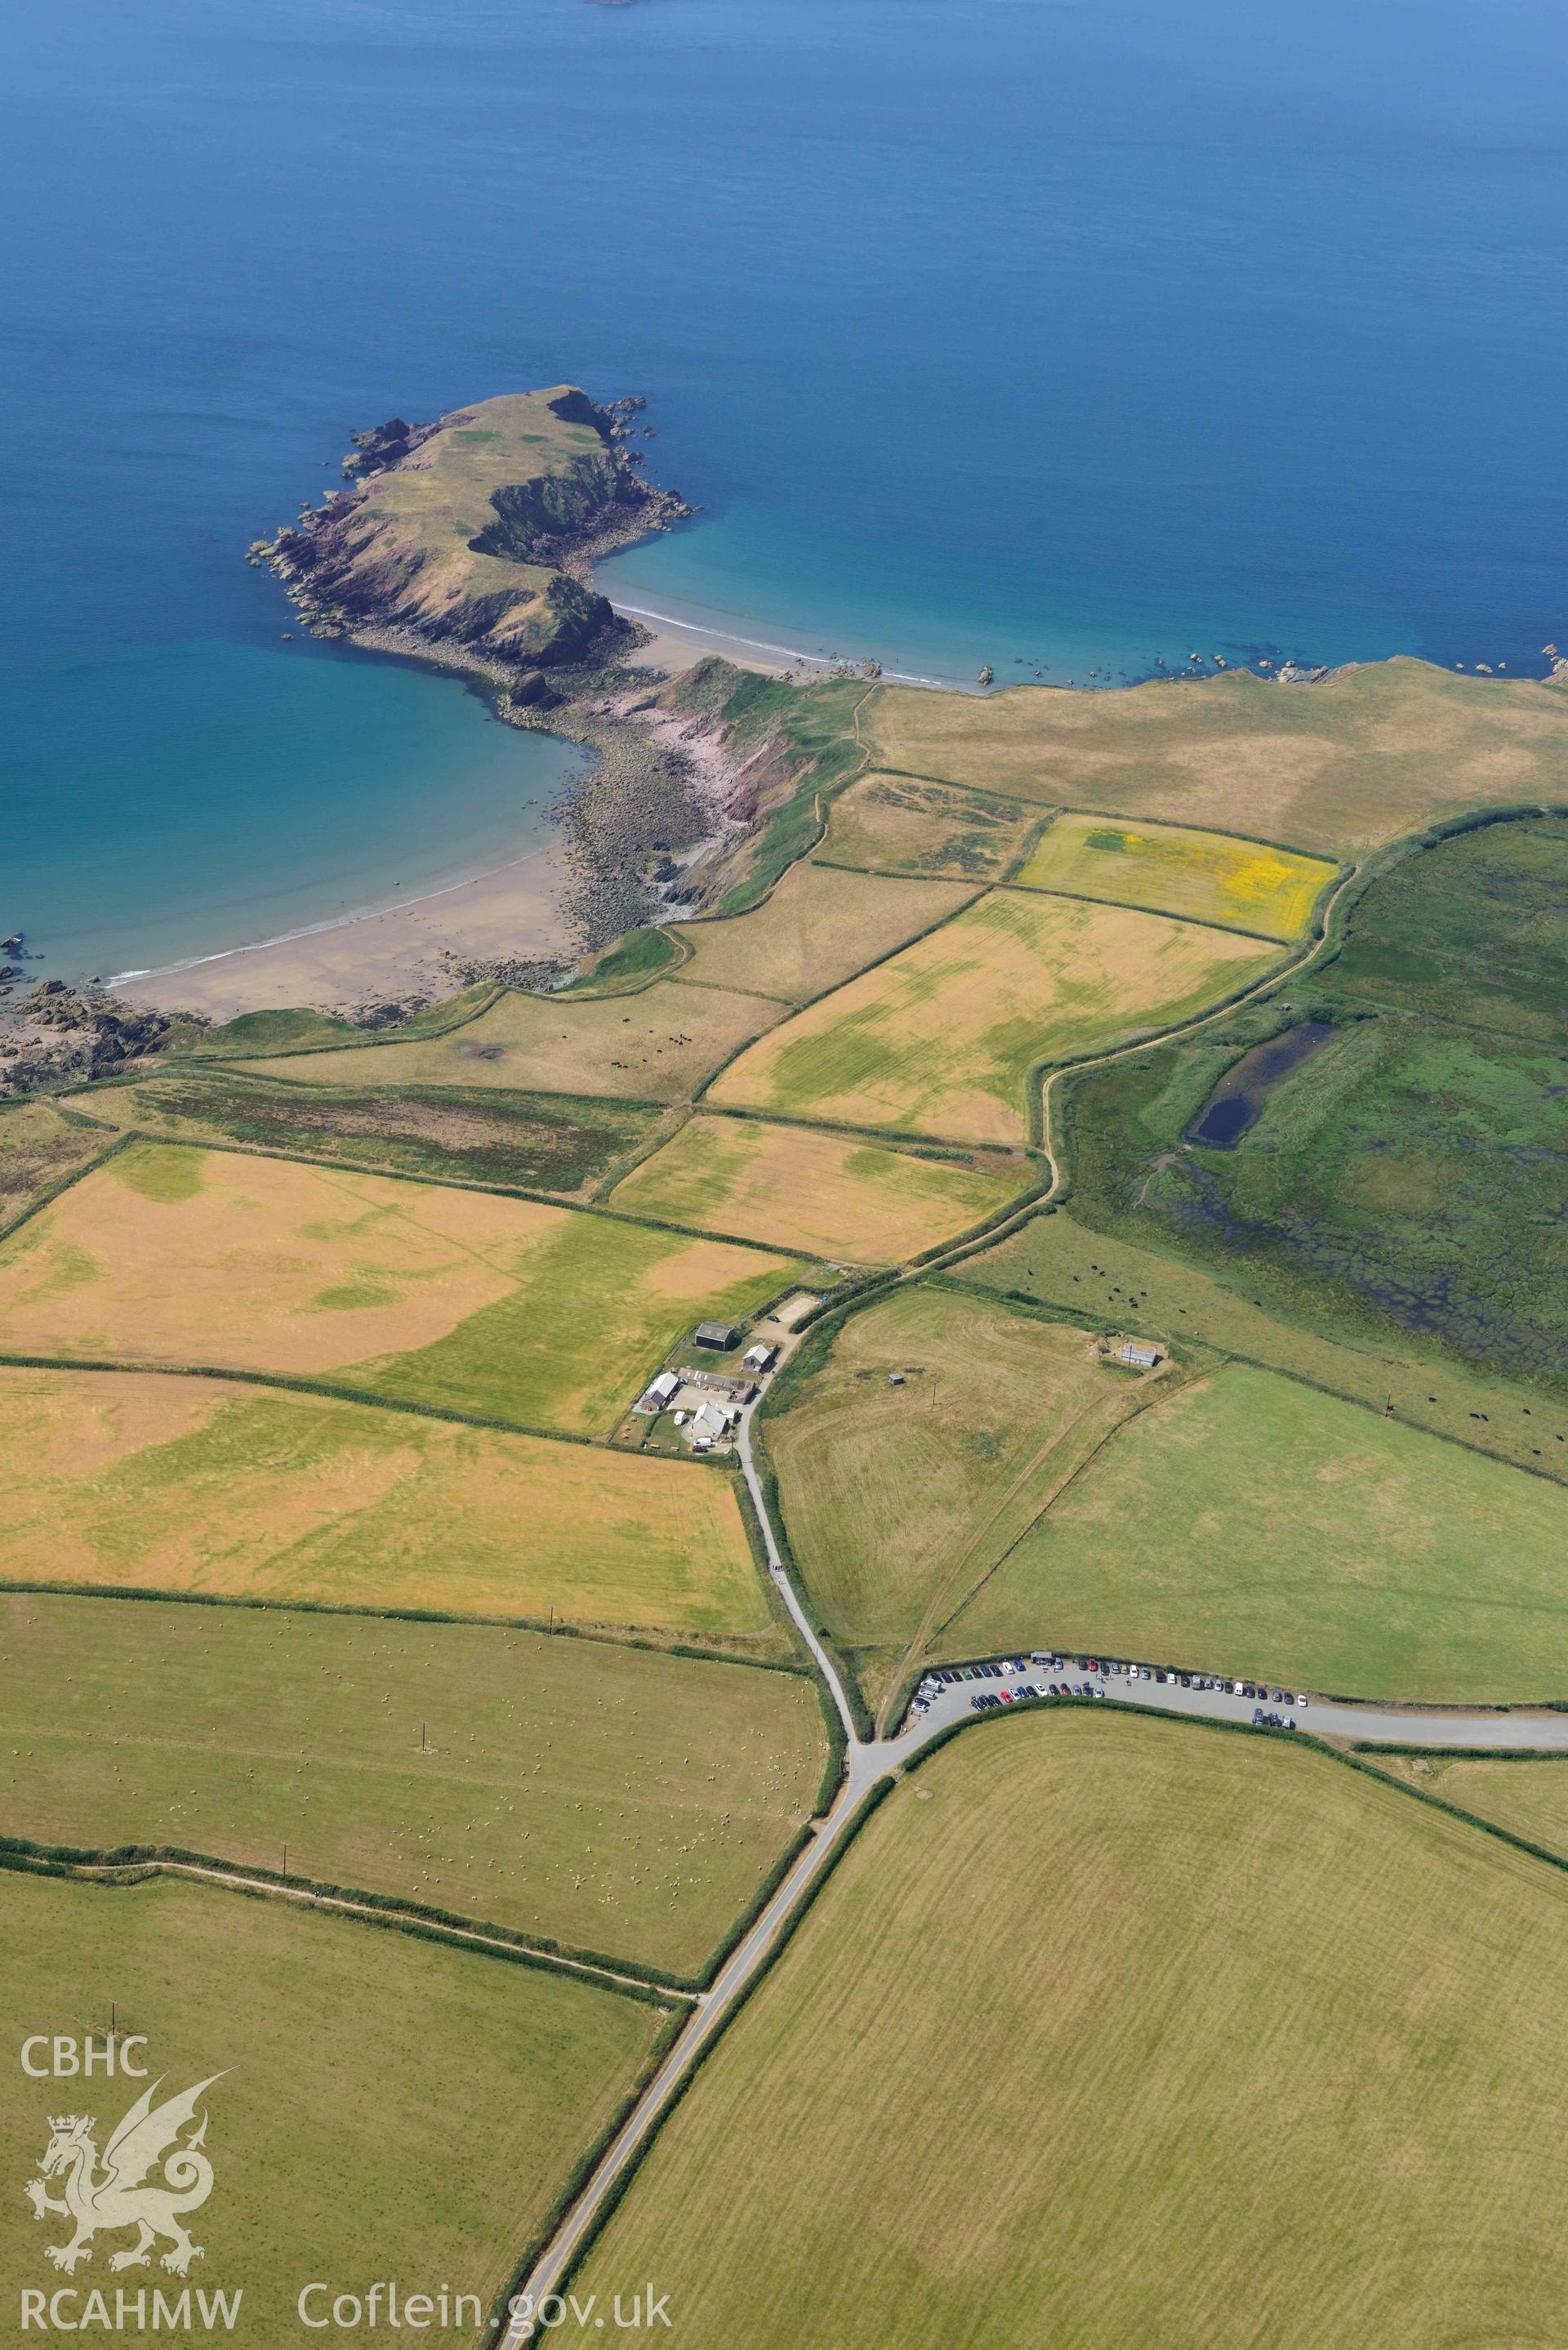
(719, 1335)
(759, 1358)
(658, 1394)
(707, 1426)
(1137, 1356)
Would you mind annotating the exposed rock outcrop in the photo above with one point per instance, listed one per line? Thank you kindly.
(470, 539)
(58, 1035)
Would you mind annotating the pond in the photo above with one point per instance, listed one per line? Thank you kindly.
(1237, 1101)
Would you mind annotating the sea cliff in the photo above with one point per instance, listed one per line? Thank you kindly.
(468, 541)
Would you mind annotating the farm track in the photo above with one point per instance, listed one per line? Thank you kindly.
(868, 1764)
(379, 1913)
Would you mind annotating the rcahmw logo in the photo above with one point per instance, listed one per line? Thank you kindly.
(153, 2171)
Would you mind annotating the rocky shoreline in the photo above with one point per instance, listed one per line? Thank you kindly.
(58, 1035)
(513, 601)
(635, 819)
(512, 614)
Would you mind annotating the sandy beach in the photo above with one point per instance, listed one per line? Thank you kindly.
(672, 647)
(377, 957)
(387, 955)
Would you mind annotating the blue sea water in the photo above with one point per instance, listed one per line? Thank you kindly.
(1051, 335)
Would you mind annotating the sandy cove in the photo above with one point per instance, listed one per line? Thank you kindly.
(419, 949)
(378, 958)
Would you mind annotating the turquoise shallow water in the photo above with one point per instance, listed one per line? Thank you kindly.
(178, 800)
(1024, 331)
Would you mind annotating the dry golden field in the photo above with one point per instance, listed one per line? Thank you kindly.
(825, 1194)
(131, 1480)
(507, 1307)
(818, 926)
(1333, 769)
(1207, 877)
(941, 1039)
(1129, 2031)
(652, 1044)
(900, 825)
(1527, 1795)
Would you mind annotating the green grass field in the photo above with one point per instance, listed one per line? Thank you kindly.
(941, 1039)
(1055, 1261)
(129, 1480)
(296, 1030)
(601, 1796)
(899, 1500)
(389, 2108)
(1366, 756)
(1124, 2032)
(823, 1194)
(1249, 1524)
(1404, 1181)
(545, 1142)
(1206, 877)
(1474, 929)
(507, 1307)
(640, 955)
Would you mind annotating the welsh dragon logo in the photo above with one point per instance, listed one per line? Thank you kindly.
(117, 2197)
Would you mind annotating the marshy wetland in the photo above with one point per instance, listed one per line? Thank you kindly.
(1396, 1157)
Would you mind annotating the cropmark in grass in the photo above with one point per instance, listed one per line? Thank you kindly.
(128, 1481)
(508, 1308)
(941, 1039)
(655, 1044)
(1207, 877)
(1249, 1524)
(599, 1797)
(930, 1437)
(817, 926)
(827, 1194)
(899, 825)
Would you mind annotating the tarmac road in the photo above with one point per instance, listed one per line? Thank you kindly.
(1471, 1727)
(866, 1762)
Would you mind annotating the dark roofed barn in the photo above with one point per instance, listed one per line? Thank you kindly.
(720, 1336)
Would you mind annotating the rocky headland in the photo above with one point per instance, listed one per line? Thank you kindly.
(469, 542)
